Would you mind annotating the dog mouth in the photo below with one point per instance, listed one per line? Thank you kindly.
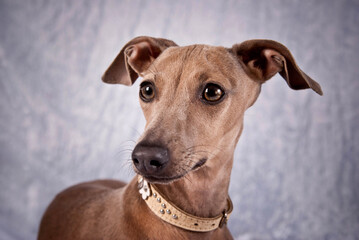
(199, 164)
(162, 180)
(169, 179)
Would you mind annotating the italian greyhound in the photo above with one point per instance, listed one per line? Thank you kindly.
(193, 99)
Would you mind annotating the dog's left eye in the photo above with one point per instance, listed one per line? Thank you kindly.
(147, 91)
(212, 93)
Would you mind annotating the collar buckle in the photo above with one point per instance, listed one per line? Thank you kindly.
(224, 219)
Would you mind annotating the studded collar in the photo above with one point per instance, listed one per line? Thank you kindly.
(169, 213)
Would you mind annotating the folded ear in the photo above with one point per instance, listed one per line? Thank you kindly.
(262, 59)
(135, 58)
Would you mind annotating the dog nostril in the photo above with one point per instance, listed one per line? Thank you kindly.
(155, 163)
(149, 159)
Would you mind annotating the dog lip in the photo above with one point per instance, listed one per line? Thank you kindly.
(165, 179)
(159, 179)
(153, 179)
(200, 163)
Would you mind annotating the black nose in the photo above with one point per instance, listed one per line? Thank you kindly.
(149, 159)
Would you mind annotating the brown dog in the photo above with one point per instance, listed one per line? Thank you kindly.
(193, 99)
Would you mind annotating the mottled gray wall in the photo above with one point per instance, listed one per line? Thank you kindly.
(296, 171)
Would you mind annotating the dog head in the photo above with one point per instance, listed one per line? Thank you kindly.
(194, 99)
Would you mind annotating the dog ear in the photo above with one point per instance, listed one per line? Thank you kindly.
(135, 58)
(262, 59)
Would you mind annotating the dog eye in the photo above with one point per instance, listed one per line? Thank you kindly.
(147, 91)
(212, 93)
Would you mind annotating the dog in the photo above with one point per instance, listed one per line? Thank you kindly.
(193, 99)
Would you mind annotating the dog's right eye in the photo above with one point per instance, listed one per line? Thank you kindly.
(147, 91)
(212, 93)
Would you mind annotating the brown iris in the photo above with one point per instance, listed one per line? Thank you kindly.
(147, 91)
(212, 93)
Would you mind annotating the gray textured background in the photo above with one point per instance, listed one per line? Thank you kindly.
(296, 171)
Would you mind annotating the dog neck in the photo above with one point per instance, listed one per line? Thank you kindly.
(202, 193)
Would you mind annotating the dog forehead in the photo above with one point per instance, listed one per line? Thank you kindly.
(195, 62)
(197, 53)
